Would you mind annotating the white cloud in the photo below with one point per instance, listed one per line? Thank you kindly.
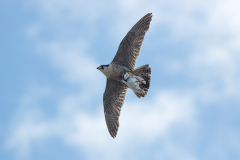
(185, 18)
(143, 121)
(75, 63)
(28, 124)
(89, 11)
(213, 60)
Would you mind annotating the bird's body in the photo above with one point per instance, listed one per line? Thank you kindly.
(114, 71)
(121, 74)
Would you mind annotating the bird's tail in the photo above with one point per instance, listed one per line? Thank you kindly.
(144, 72)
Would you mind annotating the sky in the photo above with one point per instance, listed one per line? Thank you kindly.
(51, 92)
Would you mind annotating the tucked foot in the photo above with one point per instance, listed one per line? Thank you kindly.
(131, 73)
(142, 81)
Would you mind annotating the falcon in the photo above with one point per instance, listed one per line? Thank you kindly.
(121, 74)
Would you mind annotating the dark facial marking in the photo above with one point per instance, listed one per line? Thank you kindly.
(102, 66)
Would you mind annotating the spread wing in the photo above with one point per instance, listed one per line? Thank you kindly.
(113, 99)
(129, 48)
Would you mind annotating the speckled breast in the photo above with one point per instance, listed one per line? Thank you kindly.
(117, 72)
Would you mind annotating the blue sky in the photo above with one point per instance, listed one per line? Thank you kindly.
(51, 93)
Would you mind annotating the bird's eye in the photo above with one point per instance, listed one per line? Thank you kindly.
(102, 67)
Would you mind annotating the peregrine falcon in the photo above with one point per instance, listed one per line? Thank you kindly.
(121, 74)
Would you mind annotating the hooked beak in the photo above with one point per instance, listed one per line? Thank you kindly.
(97, 67)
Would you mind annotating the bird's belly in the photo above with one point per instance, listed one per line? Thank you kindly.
(132, 82)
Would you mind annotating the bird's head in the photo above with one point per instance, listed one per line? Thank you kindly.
(104, 69)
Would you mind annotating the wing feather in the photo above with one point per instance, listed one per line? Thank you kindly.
(129, 48)
(113, 99)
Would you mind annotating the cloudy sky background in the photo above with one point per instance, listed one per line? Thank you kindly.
(51, 93)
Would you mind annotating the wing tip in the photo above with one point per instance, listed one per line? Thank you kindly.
(149, 15)
(148, 18)
(113, 134)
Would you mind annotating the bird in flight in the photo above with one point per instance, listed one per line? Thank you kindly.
(121, 74)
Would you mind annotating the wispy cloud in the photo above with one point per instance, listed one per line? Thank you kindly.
(210, 70)
(140, 122)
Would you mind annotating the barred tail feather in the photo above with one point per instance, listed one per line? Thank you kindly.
(144, 72)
